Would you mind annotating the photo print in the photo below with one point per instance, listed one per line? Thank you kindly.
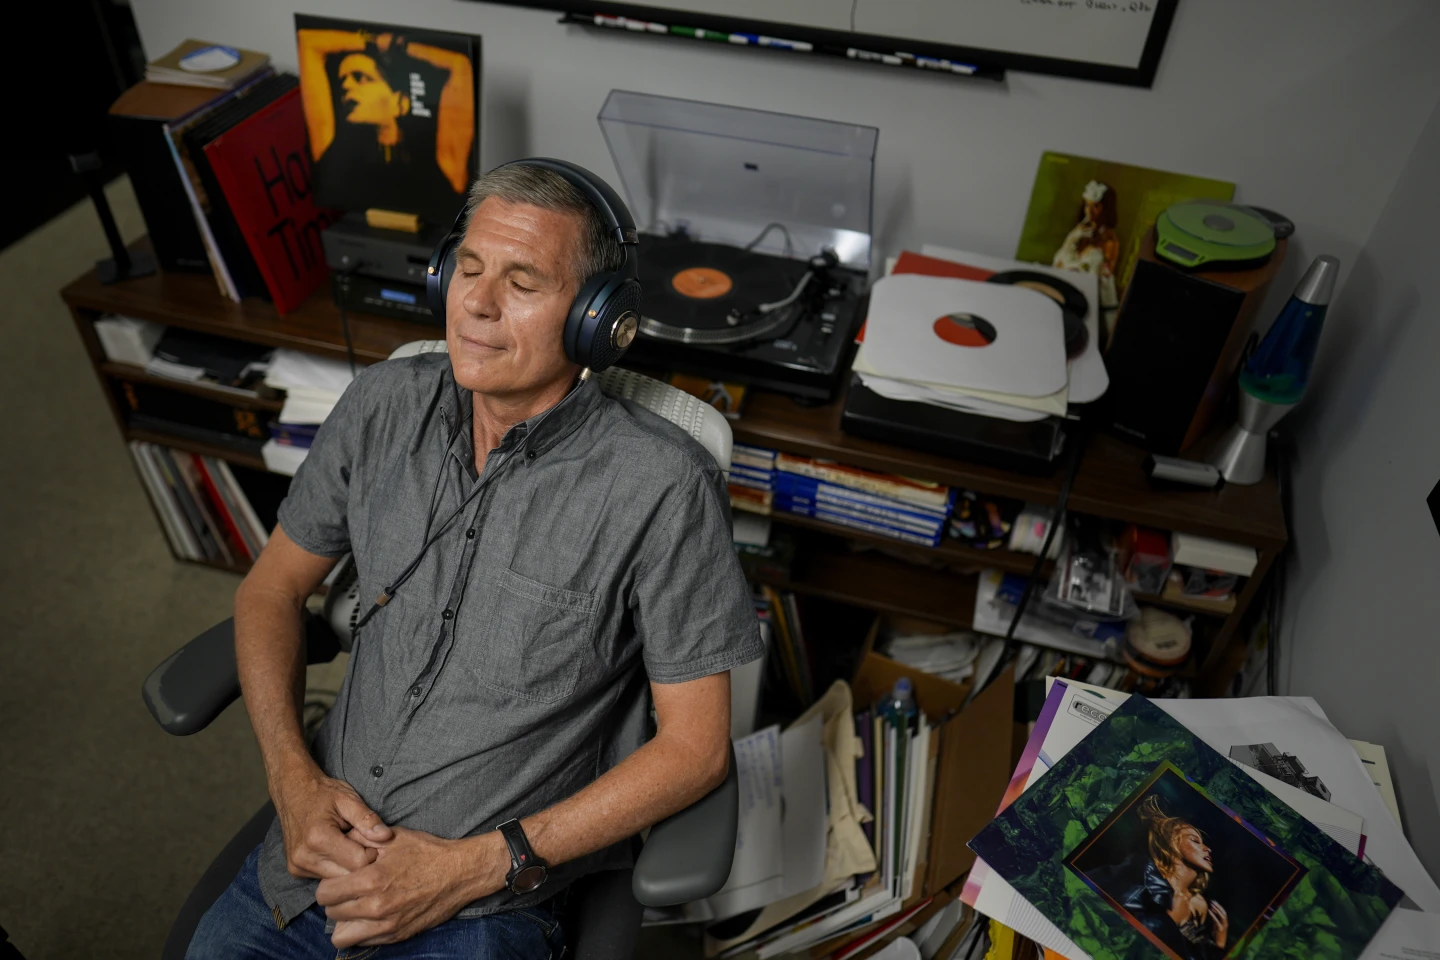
(390, 113)
(1190, 875)
(1268, 758)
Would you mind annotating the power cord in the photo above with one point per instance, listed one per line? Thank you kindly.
(1275, 609)
(1077, 453)
(789, 243)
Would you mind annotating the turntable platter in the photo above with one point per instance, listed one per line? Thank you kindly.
(694, 290)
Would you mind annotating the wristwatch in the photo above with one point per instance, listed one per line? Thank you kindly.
(527, 871)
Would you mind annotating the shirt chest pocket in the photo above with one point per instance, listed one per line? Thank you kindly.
(539, 640)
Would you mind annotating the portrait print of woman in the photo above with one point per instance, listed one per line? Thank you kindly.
(1186, 873)
(1170, 897)
(1092, 245)
(390, 116)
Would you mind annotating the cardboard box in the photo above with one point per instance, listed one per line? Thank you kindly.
(973, 767)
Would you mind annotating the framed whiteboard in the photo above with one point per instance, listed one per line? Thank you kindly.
(1114, 41)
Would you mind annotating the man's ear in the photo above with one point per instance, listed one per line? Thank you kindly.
(404, 104)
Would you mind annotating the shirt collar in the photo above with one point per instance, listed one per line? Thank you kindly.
(534, 436)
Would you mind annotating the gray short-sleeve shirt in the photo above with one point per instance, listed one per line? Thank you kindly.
(511, 669)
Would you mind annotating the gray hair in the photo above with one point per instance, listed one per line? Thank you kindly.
(536, 186)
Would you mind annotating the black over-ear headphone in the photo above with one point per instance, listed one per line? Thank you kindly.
(606, 313)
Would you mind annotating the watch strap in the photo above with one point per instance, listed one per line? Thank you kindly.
(520, 853)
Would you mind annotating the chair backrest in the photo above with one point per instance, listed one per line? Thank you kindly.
(696, 417)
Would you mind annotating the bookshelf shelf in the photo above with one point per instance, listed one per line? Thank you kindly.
(132, 374)
(882, 584)
(217, 450)
(951, 552)
(1110, 482)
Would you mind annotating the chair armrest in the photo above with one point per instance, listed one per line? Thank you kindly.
(687, 856)
(193, 685)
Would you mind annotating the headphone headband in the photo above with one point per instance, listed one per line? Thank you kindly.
(605, 315)
(600, 194)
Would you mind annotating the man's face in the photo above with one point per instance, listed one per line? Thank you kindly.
(368, 98)
(512, 289)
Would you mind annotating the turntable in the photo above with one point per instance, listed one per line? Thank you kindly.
(755, 239)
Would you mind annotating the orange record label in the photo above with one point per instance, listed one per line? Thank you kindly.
(965, 330)
(702, 283)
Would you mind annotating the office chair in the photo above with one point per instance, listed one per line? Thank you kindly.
(686, 857)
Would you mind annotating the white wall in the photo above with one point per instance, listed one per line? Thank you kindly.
(1362, 622)
(1311, 106)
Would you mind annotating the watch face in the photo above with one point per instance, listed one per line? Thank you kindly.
(528, 879)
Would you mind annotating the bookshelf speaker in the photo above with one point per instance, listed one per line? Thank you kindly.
(1177, 343)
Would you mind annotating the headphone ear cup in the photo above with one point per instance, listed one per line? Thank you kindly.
(439, 275)
(603, 321)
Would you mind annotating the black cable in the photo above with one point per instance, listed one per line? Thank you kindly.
(345, 321)
(1077, 452)
(1276, 607)
(414, 564)
(854, 4)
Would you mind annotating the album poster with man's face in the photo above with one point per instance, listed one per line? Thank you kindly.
(391, 115)
(1143, 842)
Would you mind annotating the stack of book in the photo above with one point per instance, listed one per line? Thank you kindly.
(882, 504)
(203, 509)
(752, 478)
(312, 386)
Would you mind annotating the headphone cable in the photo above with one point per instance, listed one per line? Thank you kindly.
(387, 594)
(342, 276)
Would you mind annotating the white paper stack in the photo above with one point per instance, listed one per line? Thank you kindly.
(128, 340)
(312, 385)
(1355, 815)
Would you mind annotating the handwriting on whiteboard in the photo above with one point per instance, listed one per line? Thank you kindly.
(1112, 6)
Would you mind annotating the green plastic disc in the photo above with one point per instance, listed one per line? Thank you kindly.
(1200, 232)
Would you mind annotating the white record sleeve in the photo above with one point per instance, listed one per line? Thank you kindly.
(1024, 355)
(1088, 377)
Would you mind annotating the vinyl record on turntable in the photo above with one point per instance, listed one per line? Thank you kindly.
(967, 334)
(710, 293)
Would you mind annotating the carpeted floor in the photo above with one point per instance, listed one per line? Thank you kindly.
(105, 821)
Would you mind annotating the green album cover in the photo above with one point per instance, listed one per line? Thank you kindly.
(1091, 216)
(1144, 842)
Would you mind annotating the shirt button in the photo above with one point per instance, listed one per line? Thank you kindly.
(377, 771)
(448, 614)
(470, 534)
(415, 691)
(529, 454)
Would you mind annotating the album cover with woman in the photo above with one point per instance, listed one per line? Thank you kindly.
(391, 115)
(1091, 216)
(1143, 842)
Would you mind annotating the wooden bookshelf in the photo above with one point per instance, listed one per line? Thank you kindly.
(933, 583)
(130, 373)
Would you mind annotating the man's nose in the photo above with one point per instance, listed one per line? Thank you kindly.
(480, 300)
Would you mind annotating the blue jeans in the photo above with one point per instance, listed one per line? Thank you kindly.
(240, 926)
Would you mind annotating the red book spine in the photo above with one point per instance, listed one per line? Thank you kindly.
(263, 166)
(217, 503)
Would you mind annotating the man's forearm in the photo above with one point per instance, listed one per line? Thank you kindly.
(661, 778)
(270, 657)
